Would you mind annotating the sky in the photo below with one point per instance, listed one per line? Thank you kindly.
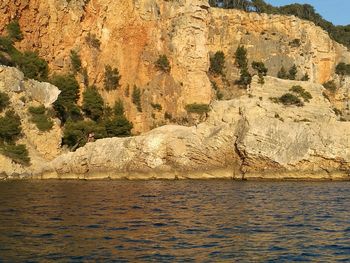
(335, 11)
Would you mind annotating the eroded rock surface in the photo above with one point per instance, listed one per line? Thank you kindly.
(42, 146)
(134, 33)
(249, 137)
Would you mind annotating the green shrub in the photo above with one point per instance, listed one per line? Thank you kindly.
(241, 57)
(32, 66)
(305, 77)
(93, 41)
(14, 31)
(342, 69)
(75, 61)
(42, 122)
(261, 69)
(242, 62)
(93, 104)
(119, 126)
(330, 85)
(85, 78)
(337, 112)
(219, 95)
(156, 106)
(119, 108)
(6, 44)
(290, 99)
(65, 105)
(75, 134)
(217, 63)
(111, 78)
(295, 43)
(163, 63)
(282, 73)
(10, 127)
(245, 78)
(300, 91)
(37, 110)
(293, 71)
(136, 98)
(4, 101)
(17, 153)
(40, 119)
(197, 108)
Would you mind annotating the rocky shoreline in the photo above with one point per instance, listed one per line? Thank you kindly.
(249, 138)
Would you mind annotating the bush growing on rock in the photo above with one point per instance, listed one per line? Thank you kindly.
(75, 134)
(17, 153)
(156, 106)
(32, 66)
(197, 108)
(290, 99)
(118, 108)
(292, 73)
(305, 77)
(342, 69)
(217, 63)
(10, 127)
(136, 98)
(282, 73)
(300, 91)
(14, 31)
(111, 78)
(39, 117)
(330, 85)
(75, 62)
(119, 126)
(242, 62)
(241, 57)
(163, 63)
(93, 41)
(261, 69)
(4, 101)
(93, 104)
(65, 105)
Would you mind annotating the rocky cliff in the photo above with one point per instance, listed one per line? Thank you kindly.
(42, 146)
(133, 34)
(247, 136)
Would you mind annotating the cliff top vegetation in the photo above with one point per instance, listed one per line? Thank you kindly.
(340, 34)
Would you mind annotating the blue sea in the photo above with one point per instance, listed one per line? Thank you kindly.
(174, 221)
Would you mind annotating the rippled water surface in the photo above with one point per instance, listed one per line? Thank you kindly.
(174, 221)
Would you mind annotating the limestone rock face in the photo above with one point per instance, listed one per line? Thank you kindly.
(42, 146)
(133, 33)
(277, 41)
(42, 92)
(248, 137)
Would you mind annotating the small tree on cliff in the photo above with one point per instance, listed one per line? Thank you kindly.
(14, 31)
(92, 103)
(112, 78)
(293, 72)
(163, 63)
(261, 69)
(282, 73)
(136, 98)
(75, 61)
(217, 63)
(242, 63)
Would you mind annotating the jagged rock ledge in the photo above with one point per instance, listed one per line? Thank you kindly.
(250, 137)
